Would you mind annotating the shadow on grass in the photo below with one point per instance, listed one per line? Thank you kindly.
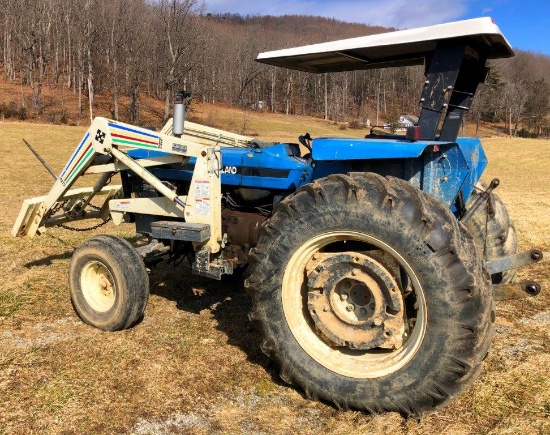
(227, 301)
(47, 261)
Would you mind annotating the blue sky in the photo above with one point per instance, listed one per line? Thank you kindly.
(526, 24)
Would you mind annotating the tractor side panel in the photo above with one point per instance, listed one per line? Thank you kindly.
(445, 172)
(476, 159)
(357, 149)
(275, 167)
(440, 169)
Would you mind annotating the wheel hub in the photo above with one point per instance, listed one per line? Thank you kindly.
(105, 286)
(98, 286)
(355, 301)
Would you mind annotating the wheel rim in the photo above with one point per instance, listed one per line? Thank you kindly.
(98, 286)
(353, 363)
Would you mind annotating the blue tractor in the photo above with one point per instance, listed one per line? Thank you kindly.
(373, 263)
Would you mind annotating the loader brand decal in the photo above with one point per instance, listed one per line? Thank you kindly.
(81, 155)
(100, 136)
(202, 197)
(177, 148)
(126, 135)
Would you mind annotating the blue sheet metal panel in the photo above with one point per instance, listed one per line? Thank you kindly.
(273, 168)
(356, 149)
(267, 168)
(325, 168)
(477, 161)
(232, 160)
(445, 171)
(140, 153)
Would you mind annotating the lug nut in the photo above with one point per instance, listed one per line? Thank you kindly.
(344, 296)
(350, 307)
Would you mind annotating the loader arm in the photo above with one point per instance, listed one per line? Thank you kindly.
(202, 204)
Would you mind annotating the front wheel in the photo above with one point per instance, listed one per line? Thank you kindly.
(370, 295)
(108, 283)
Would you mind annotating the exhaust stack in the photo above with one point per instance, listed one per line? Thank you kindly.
(179, 113)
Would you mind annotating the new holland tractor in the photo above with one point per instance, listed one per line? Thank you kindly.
(372, 263)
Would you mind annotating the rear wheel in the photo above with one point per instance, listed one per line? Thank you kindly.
(493, 231)
(370, 295)
(108, 283)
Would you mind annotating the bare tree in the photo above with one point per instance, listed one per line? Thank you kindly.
(180, 37)
(133, 47)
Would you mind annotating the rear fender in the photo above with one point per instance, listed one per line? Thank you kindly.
(477, 161)
(440, 169)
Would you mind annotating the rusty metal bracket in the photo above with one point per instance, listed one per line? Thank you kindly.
(513, 261)
(481, 199)
(519, 290)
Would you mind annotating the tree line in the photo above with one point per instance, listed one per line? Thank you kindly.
(143, 47)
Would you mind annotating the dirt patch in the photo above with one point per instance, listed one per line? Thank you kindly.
(34, 334)
(542, 318)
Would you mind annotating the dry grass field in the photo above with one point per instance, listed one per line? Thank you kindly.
(193, 365)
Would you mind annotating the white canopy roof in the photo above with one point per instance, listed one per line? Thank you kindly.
(405, 47)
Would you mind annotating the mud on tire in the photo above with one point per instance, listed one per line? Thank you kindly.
(445, 292)
(108, 283)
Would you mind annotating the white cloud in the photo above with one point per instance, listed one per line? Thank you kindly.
(388, 13)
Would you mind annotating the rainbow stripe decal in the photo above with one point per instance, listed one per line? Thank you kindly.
(82, 154)
(125, 135)
(120, 135)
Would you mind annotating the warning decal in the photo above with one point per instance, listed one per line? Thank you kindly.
(202, 197)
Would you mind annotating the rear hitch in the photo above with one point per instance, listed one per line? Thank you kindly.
(514, 261)
(521, 290)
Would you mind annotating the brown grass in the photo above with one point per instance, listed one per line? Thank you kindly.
(193, 364)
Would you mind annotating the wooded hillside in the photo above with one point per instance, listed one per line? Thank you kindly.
(131, 48)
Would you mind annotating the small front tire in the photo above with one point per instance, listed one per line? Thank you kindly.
(108, 283)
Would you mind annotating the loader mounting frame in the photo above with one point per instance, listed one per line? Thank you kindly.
(102, 152)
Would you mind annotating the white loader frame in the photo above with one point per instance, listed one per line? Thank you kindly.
(202, 204)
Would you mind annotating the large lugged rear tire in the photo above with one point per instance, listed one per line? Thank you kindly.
(108, 283)
(338, 250)
(494, 232)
